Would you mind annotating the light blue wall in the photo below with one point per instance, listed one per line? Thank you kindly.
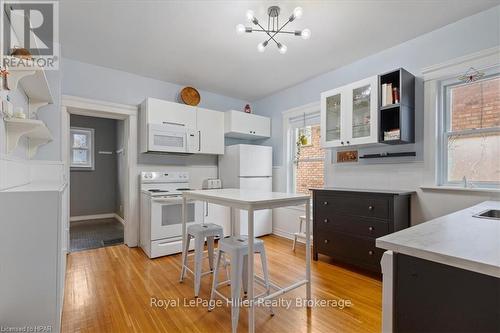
(101, 83)
(474, 33)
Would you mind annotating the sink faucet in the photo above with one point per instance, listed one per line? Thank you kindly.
(464, 180)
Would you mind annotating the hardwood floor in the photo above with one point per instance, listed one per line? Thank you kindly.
(110, 290)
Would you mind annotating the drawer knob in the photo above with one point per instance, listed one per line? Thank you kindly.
(325, 220)
(325, 203)
(341, 142)
(370, 207)
(326, 241)
(370, 228)
(370, 252)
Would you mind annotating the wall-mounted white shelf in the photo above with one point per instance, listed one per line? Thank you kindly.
(35, 130)
(33, 81)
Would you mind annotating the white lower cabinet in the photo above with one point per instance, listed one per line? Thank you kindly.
(218, 215)
(210, 126)
(349, 114)
(33, 244)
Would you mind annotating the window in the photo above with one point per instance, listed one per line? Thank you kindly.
(470, 150)
(306, 157)
(82, 148)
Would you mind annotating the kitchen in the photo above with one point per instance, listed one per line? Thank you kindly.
(378, 134)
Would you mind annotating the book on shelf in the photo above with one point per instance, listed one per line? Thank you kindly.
(393, 134)
(384, 94)
(387, 94)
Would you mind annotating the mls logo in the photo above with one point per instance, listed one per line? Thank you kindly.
(33, 27)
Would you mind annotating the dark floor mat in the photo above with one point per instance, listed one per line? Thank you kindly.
(92, 234)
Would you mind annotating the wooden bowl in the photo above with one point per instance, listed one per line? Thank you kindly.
(22, 53)
(190, 96)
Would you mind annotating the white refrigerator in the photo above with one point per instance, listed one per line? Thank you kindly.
(249, 167)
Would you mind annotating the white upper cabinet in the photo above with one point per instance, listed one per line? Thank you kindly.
(170, 127)
(349, 114)
(249, 126)
(164, 112)
(210, 126)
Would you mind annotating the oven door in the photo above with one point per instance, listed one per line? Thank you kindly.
(166, 216)
(167, 138)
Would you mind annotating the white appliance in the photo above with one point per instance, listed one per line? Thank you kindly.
(172, 138)
(211, 183)
(249, 167)
(161, 212)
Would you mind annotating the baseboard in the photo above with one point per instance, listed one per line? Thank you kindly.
(91, 217)
(288, 235)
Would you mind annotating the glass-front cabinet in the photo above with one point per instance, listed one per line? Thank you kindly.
(349, 114)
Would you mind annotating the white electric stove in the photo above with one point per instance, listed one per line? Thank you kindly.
(161, 212)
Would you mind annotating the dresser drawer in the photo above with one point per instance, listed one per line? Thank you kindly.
(354, 250)
(356, 225)
(353, 205)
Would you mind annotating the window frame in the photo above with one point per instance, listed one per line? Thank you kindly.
(292, 149)
(444, 132)
(89, 132)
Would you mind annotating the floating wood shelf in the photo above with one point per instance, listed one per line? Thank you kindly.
(35, 130)
(385, 155)
(33, 81)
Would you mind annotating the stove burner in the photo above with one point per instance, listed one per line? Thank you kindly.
(155, 190)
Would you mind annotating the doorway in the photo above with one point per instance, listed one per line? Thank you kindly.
(121, 219)
(96, 178)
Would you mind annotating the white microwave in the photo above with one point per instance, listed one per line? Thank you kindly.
(172, 138)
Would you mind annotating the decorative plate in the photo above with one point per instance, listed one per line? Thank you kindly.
(190, 96)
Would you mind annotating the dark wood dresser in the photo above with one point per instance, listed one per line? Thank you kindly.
(346, 223)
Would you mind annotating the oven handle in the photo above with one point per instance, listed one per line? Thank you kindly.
(168, 200)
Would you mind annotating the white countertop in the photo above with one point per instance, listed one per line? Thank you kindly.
(457, 239)
(38, 186)
(246, 198)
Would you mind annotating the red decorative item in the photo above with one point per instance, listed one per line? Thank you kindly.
(395, 95)
(247, 108)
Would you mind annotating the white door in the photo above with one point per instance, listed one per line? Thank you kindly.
(263, 219)
(333, 119)
(210, 126)
(256, 161)
(362, 115)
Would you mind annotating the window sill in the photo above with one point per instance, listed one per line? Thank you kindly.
(460, 189)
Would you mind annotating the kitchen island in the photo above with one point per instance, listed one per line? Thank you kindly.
(443, 275)
(252, 201)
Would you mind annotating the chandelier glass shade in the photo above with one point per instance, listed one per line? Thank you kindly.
(273, 27)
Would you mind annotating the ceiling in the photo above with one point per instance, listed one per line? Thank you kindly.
(195, 43)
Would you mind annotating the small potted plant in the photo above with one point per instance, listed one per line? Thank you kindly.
(301, 141)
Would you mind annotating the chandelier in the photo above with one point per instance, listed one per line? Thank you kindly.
(273, 27)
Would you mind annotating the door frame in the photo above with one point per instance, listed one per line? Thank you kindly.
(127, 113)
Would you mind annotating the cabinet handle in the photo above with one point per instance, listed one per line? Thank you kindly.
(325, 220)
(370, 252)
(325, 203)
(370, 207)
(199, 140)
(326, 241)
(370, 228)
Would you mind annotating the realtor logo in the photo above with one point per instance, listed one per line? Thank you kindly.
(30, 28)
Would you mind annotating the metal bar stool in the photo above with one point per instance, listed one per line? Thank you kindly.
(200, 232)
(237, 248)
